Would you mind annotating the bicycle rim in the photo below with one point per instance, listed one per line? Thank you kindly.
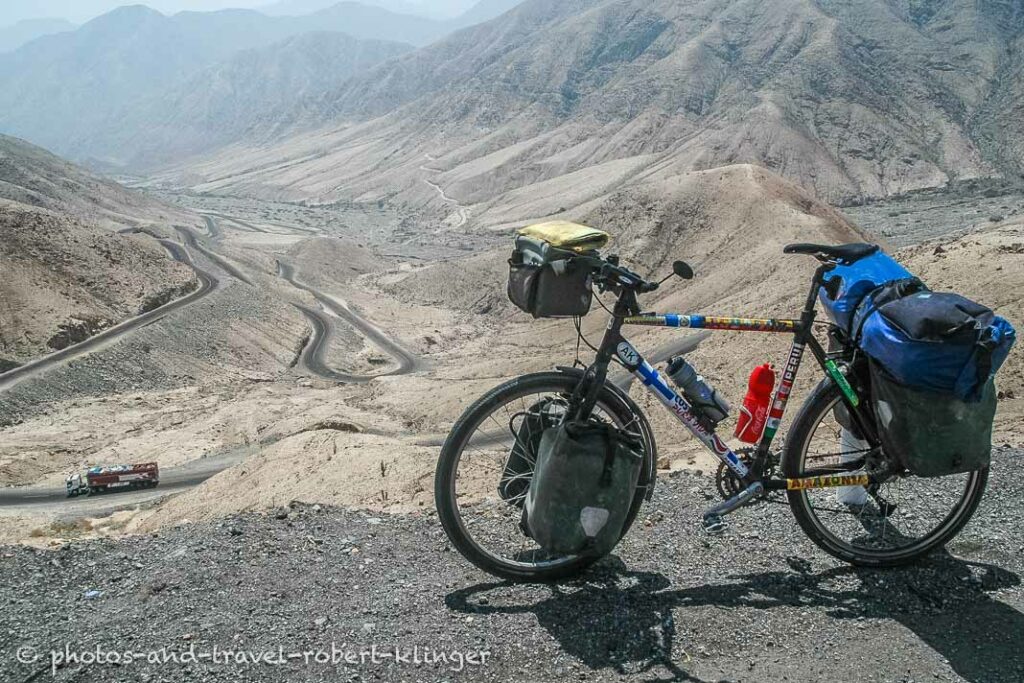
(905, 518)
(488, 524)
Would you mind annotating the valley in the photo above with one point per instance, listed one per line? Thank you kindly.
(380, 325)
(267, 247)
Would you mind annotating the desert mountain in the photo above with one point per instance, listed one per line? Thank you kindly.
(31, 175)
(850, 100)
(14, 36)
(69, 92)
(66, 272)
(221, 103)
(56, 91)
(134, 87)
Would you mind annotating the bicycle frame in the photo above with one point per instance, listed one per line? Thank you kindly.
(615, 346)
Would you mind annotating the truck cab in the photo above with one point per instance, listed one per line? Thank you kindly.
(76, 484)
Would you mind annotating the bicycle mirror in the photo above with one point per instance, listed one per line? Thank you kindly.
(682, 270)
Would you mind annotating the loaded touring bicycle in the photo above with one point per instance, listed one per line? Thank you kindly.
(544, 474)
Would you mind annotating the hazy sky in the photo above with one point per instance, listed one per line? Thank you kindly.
(79, 11)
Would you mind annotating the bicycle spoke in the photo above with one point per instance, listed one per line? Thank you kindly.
(901, 514)
(495, 468)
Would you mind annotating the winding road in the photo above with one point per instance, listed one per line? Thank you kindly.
(191, 474)
(462, 211)
(207, 284)
(313, 354)
(228, 267)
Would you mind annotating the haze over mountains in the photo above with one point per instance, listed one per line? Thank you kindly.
(222, 102)
(73, 92)
(851, 100)
(14, 36)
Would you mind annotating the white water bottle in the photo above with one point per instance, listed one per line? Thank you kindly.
(851, 449)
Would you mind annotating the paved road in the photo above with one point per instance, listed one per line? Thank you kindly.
(207, 284)
(193, 241)
(313, 356)
(407, 361)
(172, 480)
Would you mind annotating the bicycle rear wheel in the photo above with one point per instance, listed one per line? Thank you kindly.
(906, 518)
(483, 524)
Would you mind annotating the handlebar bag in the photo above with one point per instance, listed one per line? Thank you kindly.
(549, 282)
(527, 428)
(583, 487)
(938, 341)
(852, 283)
(932, 434)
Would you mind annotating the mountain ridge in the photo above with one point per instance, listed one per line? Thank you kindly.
(851, 101)
(72, 92)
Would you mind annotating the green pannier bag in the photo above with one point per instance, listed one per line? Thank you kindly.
(933, 434)
(583, 487)
(527, 427)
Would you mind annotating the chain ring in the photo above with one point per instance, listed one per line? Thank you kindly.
(726, 481)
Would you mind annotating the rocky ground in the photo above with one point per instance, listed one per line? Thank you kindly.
(760, 603)
(939, 212)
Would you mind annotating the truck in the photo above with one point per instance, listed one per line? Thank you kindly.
(109, 477)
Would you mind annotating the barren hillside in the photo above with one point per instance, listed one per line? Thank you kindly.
(31, 175)
(849, 100)
(64, 280)
(67, 274)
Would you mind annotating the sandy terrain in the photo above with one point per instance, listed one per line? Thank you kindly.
(64, 280)
(374, 445)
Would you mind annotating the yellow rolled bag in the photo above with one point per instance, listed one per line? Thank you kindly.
(567, 235)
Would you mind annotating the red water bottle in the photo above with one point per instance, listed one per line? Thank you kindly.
(754, 413)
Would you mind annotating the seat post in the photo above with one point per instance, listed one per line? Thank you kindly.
(816, 284)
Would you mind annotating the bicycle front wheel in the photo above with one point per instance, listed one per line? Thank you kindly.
(480, 503)
(906, 518)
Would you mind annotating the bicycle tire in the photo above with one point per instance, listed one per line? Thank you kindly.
(609, 399)
(815, 409)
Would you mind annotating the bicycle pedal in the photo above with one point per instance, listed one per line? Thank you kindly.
(715, 525)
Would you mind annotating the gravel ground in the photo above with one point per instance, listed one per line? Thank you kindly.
(758, 604)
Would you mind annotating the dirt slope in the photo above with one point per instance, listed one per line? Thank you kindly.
(64, 280)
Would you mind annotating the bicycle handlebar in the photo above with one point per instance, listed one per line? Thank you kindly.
(613, 275)
(627, 278)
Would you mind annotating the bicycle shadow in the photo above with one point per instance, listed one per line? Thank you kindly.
(624, 621)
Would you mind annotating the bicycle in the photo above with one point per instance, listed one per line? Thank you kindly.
(901, 519)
